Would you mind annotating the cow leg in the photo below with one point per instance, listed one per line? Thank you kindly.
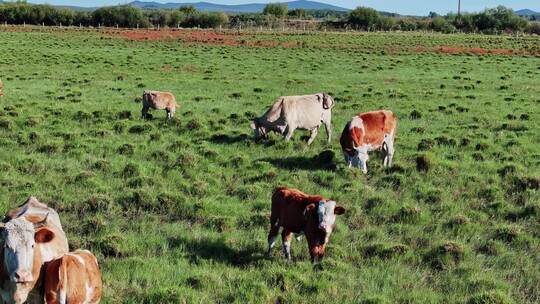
(313, 134)
(169, 114)
(348, 160)
(388, 148)
(286, 238)
(274, 230)
(290, 131)
(144, 112)
(328, 128)
(362, 165)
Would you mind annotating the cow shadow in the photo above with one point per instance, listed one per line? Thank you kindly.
(228, 139)
(323, 161)
(217, 250)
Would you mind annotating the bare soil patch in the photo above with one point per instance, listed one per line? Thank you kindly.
(199, 36)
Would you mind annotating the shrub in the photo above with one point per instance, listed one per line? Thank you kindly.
(276, 9)
(440, 24)
(364, 18)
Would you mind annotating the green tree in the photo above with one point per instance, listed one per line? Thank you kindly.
(298, 13)
(364, 17)
(276, 9)
(188, 10)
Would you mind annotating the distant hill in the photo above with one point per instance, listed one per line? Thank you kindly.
(240, 8)
(526, 12)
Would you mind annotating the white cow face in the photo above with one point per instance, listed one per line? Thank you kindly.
(18, 238)
(361, 158)
(326, 212)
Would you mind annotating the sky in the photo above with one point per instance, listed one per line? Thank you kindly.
(409, 7)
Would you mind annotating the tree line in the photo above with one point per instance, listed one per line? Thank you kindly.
(21, 12)
(495, 20)
(490, 21)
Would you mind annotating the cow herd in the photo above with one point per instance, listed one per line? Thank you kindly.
(293, 210)
(38, 267)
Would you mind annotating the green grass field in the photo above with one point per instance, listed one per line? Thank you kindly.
(178, 212)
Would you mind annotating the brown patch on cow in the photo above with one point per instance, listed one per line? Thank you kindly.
(376, 124)
(72, 275)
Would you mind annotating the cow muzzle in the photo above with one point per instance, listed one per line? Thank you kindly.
(22, 277)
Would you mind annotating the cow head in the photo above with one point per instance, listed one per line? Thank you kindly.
(361, 157)
(321, 222)
(19, 238)
(259, 131)
(327, 101)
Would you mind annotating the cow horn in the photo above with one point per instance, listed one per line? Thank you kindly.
(42, 222)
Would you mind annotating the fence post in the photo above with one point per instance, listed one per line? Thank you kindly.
(117, 26)
(137, 26)
(24, 23)
(158, 27)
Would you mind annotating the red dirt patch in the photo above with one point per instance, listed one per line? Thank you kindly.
(476, 51)
(199, 36)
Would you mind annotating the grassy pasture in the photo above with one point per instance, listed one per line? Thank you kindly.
(178, 212)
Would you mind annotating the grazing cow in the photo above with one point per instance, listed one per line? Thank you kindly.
(29, 240)
(159, 101)
(1, 87)
(367, 132)
(73, 278)
(291, 112)
(298, 213)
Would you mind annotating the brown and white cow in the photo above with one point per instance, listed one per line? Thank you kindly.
(299, 213)
(73, 278)
(367, 132)
(289, 113)
(1, 87)
(29, 239)
(159, 101)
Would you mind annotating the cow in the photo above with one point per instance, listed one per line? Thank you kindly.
(288, 113)
(1, 87)
(73, 278)
(159, 101)
(29, 240)
(367, 132)
(300, 213)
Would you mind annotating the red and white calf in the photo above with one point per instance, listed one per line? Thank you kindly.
(367, 132)
(297, 212)
(73, 278)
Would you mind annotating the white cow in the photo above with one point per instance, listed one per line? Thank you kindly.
(289, 113)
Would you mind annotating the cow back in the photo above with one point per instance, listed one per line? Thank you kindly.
(303, 111)
(288, 206)
(74, 276)
(376, 125)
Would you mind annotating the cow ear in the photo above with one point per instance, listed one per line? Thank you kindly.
(44, 235)
(339, 210)
(309, 208)
(327, 102)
